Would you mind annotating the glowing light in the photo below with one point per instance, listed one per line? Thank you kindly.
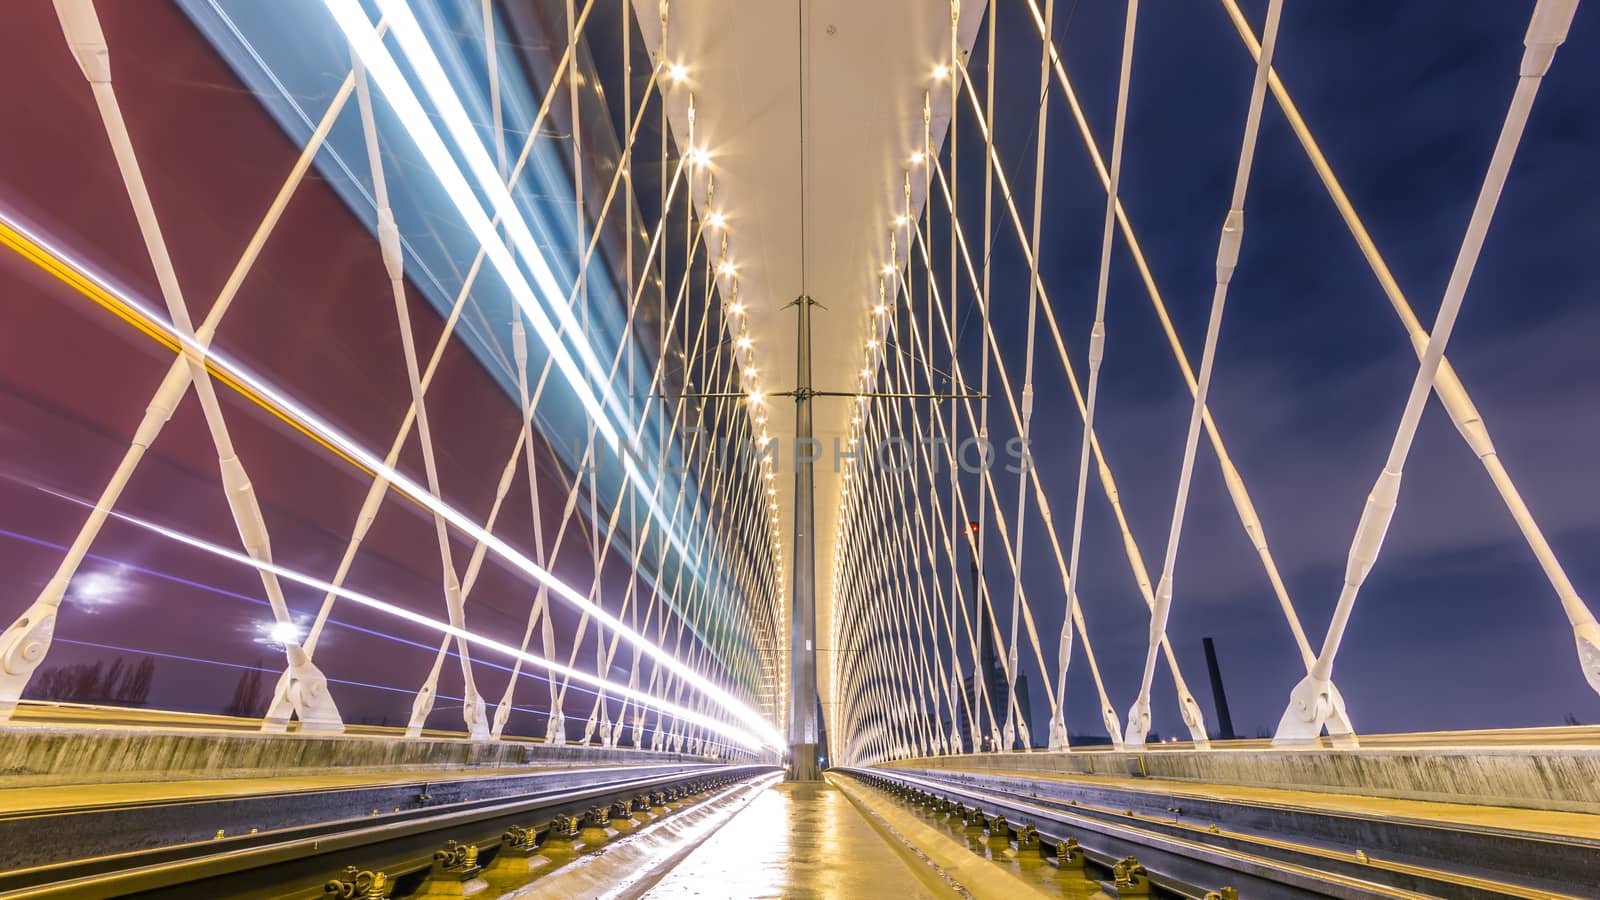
(281, 630)
(284, 633)
(736, 309)
(890, 268)
(367, 459)
(756, 397)
(941, 72)
(93, 590)
(677, 71)
(872, 344)
(716, 220)
(916, 158)
(899, 221)
(880, 309)
(443, 163)
(725, 268)
(866, 373)
(698, 157)
(744, 343)
(352, 20)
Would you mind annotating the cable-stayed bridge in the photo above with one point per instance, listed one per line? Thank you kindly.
(618, 447)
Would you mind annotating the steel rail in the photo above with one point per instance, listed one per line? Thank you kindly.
(1288, 867)
(298, 860)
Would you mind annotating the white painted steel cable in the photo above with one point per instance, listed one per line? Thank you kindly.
(923, 459)
(375, 494)
(1025, 431)
(1310, 701)
(27, 641)
(1190, 707)
(987, 480)
(1097, 341)
(1032, 471)
(1452, 393)
(81, 26)
(958, 501)
(1227, 259)
(902, 287)
(388, 232)
(920, 621)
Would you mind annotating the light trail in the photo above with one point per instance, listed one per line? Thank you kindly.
(382, 67)
(739, 736)
(199, 660)
(761, 731)
(233, 595)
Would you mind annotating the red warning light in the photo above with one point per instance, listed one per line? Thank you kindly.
(972, 527)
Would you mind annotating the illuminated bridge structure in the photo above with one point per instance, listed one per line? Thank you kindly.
(648, 447)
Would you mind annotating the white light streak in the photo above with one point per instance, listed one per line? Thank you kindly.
(381, 66)
(367, 459)
(283, 632)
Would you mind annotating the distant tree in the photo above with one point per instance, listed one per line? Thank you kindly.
(135, 689)
(64, 682)
(118, 685)
(248, 701)
(85, 682)
(111, 683)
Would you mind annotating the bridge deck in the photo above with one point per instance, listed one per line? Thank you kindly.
(801, 840)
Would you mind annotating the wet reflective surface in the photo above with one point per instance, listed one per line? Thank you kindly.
(798, 840)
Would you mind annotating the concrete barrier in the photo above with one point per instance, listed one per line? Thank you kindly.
(36, 756)
(1555, 778)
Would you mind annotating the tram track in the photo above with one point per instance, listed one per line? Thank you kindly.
(1187, 856)
(403, 843)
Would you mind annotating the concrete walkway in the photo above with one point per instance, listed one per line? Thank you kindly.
(801, 841)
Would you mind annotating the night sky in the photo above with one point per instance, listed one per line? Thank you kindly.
(1456, 627)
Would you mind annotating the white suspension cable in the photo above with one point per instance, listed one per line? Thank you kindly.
(24, 645)
(308, 690)
(1027, 378)
(1310, 701)
(394, 263)
(1097, 343)
(1188, 706)
(1452, 393)
(1227, 259)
